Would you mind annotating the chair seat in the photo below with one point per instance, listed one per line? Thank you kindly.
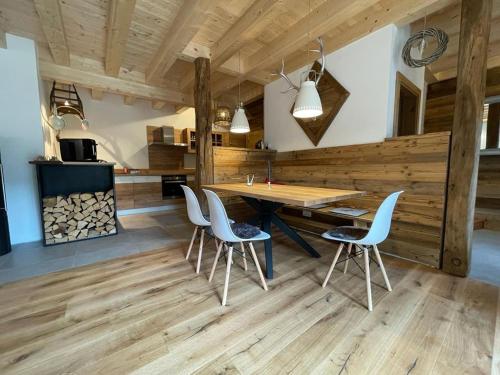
(245, 232)
(262, 236)
(346, 234)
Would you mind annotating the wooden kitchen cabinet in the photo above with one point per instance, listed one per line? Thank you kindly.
(189, 137)
(138, 195)
(147, 194)
(124, 196)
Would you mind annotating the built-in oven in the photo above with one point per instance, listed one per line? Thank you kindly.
(171, 186)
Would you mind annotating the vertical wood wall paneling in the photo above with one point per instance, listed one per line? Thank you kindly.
(203, 107)
(466, 133)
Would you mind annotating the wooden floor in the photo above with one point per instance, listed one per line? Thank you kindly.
(151, 314)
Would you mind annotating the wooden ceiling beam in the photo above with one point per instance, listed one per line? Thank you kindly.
(321, 19)
(158, 104)
(119, 19)
(92, 80)
(129, 100)
(181, 108)
(96, 94)
(194, 50)
(361, 24)
(429, 76)
(185, 26)
(446, 67)
(230, 68)
(3, 39)
(49, 12)
(239, 33)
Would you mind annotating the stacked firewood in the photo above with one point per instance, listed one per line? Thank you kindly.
(78, 216)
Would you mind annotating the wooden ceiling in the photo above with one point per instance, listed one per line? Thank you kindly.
(145, 48)
(448, 19)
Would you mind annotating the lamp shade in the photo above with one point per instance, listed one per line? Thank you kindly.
(57, 122)
(307, 103)
(222, 120)
(240, 121)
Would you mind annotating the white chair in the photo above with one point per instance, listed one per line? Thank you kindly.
(222, 229)
(200, 221)
(363, 239)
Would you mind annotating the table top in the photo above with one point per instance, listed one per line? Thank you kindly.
(303, 196)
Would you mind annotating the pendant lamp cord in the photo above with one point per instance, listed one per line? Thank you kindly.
(239, 77)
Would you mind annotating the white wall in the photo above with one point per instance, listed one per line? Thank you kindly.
(415, 75)
(120, 129)
(367, 69)
(21, 138)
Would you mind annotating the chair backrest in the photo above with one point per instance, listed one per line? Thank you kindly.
(218, 218)
(193, 208)
(382, 221)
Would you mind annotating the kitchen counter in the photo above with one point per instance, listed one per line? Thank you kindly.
(155, 172)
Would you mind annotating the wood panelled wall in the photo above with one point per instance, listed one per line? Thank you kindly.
(440, 103)
(233, 164)
(488, 184)
(488, 192)
(415, 164)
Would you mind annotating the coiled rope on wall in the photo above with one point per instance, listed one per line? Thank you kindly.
(417, 39)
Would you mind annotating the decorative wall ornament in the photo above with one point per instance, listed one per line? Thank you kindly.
(419, 40)
(333, 96)
(65, 101)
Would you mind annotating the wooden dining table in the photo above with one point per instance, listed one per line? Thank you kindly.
(267, 199)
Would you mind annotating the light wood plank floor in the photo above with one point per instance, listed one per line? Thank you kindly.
(150, 313)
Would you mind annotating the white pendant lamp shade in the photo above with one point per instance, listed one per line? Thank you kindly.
(307, 103)
(240, 122)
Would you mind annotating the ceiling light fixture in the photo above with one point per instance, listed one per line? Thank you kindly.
(65, 102)
(240, 122)
(222, 120)
(307, 102)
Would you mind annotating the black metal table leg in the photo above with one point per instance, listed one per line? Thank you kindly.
(276, 220)
(266, 214)
(268, 246)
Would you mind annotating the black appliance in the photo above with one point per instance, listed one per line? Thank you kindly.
(171, 186)
(4, 222)
(78, 149)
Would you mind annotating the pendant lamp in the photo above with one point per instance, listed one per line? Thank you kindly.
(308, 102)
(240, 122)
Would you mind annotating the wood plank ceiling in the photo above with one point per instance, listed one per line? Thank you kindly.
(146, 48)
(448, 19)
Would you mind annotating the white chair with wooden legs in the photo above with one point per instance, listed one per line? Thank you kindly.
(223, 230)
(363, 239)
(200, 222)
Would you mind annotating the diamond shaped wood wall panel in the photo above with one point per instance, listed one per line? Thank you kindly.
(333, 96)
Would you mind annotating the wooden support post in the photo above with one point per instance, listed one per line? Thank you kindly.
(203, 108)
(493, 126)
(466, 134)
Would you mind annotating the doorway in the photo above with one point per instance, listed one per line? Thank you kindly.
(406, 107)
